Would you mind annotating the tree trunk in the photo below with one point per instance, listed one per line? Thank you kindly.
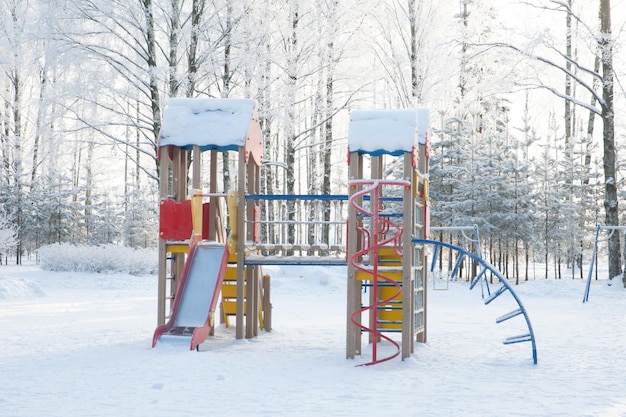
(290, 125)
(328, 125)
(226, 81)
(464, 71)
(415, 94)
(173, 59)
(608, 138)
(40, 126)
(155, 101)
(88, 191)
(568, 79)
(197, 9)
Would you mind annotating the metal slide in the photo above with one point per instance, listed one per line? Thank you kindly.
(195, 301)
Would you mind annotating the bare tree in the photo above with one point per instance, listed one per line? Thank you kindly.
(122, 36)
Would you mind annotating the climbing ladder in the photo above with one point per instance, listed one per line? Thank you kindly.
(490, 294)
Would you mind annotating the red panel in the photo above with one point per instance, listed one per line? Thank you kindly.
(254, 141)
(175, 221)
(205, 221)
(170, 152)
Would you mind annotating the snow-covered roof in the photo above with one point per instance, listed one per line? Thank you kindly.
(385, 131)
(210, 123)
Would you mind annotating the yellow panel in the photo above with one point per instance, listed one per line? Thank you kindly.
(391, 315)
(196, 212)
(231, 273)
(386, 292)
(230, 308)
(388, 252)
(363, 276)
(230, 291)
(395, 275)
(176, 248)
(367, 276)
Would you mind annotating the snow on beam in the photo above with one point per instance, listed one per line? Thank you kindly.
(391, 132)
(210, 123)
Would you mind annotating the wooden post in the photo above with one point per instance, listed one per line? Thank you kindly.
(250, 303)
(408, 288)
(179, 189)
(424, 219)
(253, 275)
(353, 333)
(196, 160)
(241, 224)
(213, 201)
(164, 171)
(267, 304)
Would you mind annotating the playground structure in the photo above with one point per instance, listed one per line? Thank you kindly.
(191, 222)
(383, 217)
(379, 231)
(599, 228)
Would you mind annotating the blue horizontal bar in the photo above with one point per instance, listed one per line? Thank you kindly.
(510, 315)
(518, 339)
(305, 197)
(310, 197)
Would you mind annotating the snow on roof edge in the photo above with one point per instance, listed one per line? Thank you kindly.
(391, 131)
(221, 123)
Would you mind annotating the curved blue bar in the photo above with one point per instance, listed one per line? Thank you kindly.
(486, 266)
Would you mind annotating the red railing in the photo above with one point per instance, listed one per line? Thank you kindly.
(383, 231)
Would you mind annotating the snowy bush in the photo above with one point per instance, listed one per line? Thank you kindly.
(101, 259)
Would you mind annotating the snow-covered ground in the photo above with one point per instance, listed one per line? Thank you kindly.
(78, 344)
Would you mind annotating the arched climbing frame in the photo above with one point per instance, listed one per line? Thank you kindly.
(491, 294)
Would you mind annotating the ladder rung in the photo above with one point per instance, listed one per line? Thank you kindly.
(478, 277)
(383, 330)
(495, 294)
(509, 315)
(434, 261)
(382, 283)
(388, 308)
(457, 264)
(518, 339)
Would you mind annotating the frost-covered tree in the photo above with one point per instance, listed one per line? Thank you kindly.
(585, 76)
(8, 234)
(121, 38)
